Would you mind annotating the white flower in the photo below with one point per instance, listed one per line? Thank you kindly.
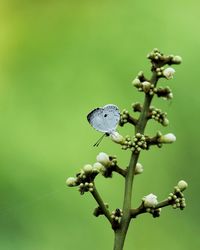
(150, 200)
(139, 168)
(168, 138)
(116, 137)
(182, 185)
(103, 158)
(169, 72)
(88, 168)
(71, 182)
(98, 166)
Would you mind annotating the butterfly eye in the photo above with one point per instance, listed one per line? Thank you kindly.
(105, 115)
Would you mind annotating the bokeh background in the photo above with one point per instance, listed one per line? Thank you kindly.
(58, 61)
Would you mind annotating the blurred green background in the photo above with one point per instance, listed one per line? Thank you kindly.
(58, 61)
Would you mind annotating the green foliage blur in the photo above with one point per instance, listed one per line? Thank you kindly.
(58, 61)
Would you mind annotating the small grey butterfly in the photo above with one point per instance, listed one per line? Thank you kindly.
(104, 119)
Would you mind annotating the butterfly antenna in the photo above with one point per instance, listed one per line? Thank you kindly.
(99, 141)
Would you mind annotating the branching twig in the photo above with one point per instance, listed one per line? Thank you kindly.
(119, 170)
(101, 204)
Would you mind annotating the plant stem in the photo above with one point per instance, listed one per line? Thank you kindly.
(101, 204)
(141, 209)
(120, 233)
(120, 171)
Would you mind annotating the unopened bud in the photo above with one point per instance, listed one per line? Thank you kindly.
(169, 72)
(182, 185)
(116, 137)
(150, 200)
(103, 158)
(136, 82)
(177, 59)
(168, 138)
(139, 168)
(98, 166)
(71, 182)
(88, 168)
(146, 86)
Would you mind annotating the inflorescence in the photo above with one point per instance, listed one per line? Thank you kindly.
(106, 164)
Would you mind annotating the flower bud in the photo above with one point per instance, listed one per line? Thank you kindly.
(150, 200)
(136, 82)
(116, 137)
(168, 73)
(139, 168)
(71, 182)
(182, 185)
(165, 122)
(103, 158)
(98, 166)
(177, 59)
(146, 86)
(168, 138)
(88, 169)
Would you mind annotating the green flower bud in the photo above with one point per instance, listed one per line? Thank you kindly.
(88, 169)
(98, 167)
(177, 59)
(139, 168)
(136, 82)
(71, 182)
(103, 158)
(168, 138)
(182, 185)
(146, 86)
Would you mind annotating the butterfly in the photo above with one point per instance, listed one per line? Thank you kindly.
(104, 119)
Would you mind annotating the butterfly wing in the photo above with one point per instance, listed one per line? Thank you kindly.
(104, 119)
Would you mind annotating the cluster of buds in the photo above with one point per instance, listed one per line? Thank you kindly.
(108, 164)
(145, 86)
(124, 116)
(85, 187)
(158, 116)
(116, 215)
(157, 57)
(154, 211)
(138, 143)
(84, 179)
(168, 73)
(165, 92)
(176, 199)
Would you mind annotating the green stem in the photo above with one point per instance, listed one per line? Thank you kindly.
(101, 204)
(141, 209)
(120, 233)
